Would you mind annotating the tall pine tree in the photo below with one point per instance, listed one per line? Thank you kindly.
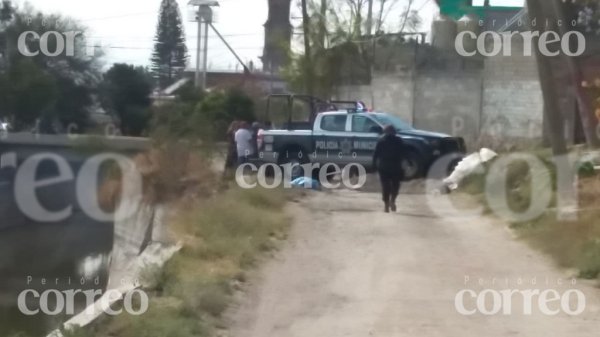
(170, 52)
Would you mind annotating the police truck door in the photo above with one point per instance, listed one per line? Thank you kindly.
(332, 141)
(365, 133)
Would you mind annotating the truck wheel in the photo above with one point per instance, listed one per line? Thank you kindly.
(412, 165)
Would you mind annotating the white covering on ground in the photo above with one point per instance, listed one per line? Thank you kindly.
(468, 166)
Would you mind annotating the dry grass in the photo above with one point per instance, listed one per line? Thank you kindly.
(572, 244)
(175, 170)
(224, 234)
(223, 238)
(589, 191)
(224, 231)
(168, 173)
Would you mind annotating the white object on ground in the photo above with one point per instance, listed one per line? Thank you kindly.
(145, 230)
(156, 254)
(467, 166)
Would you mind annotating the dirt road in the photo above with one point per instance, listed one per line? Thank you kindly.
(351, 270)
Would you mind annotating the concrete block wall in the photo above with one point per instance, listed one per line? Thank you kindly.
(395, 95)
(449, 103)
(512, 98)
(503, 101)
(355, 92)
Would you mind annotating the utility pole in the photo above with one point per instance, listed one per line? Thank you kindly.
(207, 20)
(205, 14)
(307, 51)
(199, 47)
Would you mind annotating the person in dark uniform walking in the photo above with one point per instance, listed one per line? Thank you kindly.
(388, 161)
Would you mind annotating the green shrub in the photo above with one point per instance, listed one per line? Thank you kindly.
(206, 120)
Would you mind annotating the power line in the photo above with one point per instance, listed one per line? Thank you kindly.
(153, 37)
(117, 16)
(188, 35)
(151, 48)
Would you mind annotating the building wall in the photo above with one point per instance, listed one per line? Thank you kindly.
(499, 103)
(449, 103)
(512, 97)
(397, 95)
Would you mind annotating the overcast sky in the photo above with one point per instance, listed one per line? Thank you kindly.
(127, 27)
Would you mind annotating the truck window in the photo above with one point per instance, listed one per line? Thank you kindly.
(363, 124)
(334, 123)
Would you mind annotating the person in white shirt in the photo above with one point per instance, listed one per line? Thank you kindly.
(244, 143)
(261, 134)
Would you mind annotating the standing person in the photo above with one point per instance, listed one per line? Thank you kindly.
(231, 159)
(256, 127)
(244, 143)
(388, 161)
(261, 134)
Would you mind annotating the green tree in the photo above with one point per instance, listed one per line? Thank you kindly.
(26, 93)
(206, 120)
(170, 51)
(587, 13)
(75, 77)
(340, 52)
(188, 93)
(126, 94)
(223, 107)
